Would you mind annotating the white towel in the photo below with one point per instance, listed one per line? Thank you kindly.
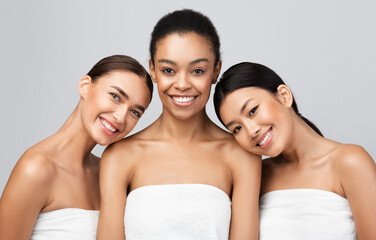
(177, 212)
(66, 224)
(305, 214)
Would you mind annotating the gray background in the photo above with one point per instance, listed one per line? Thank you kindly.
(324, 50)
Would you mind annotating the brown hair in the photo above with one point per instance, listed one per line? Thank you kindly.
(120, 62)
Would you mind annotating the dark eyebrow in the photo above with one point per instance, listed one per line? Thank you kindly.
(199, 60)
(167, 61)
(140, 107)
(229, 124)
(245, 105)
(191, 63)
(121, 92)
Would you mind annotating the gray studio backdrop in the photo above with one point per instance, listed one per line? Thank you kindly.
(324, 50)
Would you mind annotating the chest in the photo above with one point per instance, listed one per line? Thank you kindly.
(75, 190)
(174, 165)
(311, 176)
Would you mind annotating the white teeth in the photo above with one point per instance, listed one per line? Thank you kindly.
(265, 139)
(183, 99)
(108, 126)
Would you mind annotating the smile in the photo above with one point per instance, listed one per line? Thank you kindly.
(108, 126)
(266, 140)
(183, 100)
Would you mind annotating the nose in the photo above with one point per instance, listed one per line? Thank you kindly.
(120, 114)
(182, 82)
(253, 129)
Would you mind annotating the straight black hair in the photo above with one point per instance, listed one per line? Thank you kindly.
(247, 74)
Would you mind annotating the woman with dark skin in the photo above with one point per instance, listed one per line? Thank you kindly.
(312, 187)
(53, 191)
(182, 177)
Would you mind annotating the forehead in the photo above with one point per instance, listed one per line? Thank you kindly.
(118, 76)
(235, 100)
(181, 46)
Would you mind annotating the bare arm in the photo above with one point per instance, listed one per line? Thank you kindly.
(245, 195)
(358, 178)
(25, 194)
(113, 182)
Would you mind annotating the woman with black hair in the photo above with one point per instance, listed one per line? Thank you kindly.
(182, 177)
(312, 187)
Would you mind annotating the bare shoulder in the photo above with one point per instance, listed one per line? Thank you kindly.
(35, 166)
(236, 155)
(350, 157)
(27, 192)
(32, 178)
(125, 148)
(118, 164)
(122, 155)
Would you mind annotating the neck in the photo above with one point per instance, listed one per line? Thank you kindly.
(183, 130)
(305, 143)
(73, 143)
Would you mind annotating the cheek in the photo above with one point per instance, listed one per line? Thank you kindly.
(130, 123)
(94, 101)
(203, 86)
(271, 114)
(162, 86)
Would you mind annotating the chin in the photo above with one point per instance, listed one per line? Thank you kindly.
(103, 143)
(183, 117)
(262, 152)
(272, 155)
(183, 114)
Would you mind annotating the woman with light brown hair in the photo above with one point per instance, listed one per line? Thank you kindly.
(53, 191)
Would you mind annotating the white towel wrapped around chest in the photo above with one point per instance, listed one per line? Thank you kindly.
(304, 214)
(177, 211)
(67, 223)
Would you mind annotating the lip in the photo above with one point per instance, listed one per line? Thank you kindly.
(185, 103)
(267, 143)
(108, 132)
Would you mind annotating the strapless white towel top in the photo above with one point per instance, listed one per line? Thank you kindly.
(178, 212)
(66, 223)
(305, 214)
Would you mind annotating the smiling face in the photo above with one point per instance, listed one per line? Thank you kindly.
(261, 122)
(112, 105)
(184, 72)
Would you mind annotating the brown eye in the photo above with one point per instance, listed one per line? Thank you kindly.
(236, 129)
(168, 71)
(198, 71)
(253, 111)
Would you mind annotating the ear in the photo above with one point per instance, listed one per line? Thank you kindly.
(217, 70)
(83, 85)
(284, 95)
(152, 71)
